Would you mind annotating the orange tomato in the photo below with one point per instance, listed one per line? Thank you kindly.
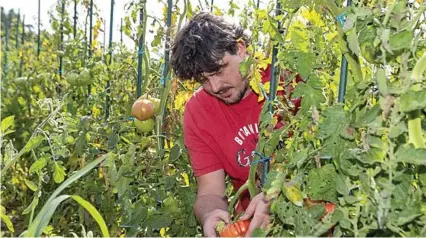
(237, 229)
(143, 109)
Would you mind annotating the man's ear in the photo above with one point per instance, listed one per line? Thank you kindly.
(242, 49)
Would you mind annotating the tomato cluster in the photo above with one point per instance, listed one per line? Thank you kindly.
(144, 110)
(84, 78)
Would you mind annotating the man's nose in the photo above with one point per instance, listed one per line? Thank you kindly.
(215, 84)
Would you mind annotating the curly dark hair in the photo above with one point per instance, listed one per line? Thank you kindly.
(201, 44)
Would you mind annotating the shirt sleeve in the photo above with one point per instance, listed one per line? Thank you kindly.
(203, 158)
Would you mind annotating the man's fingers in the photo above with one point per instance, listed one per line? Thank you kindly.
(261, 221)
(210, 224)
(224, 216)
(249, 211)
(209, 232)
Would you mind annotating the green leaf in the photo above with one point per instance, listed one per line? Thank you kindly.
(31, 185)
(316, 211)
(368, 116)
(381, 81)
(353, 43)
(398, 129)
(298, 158)
(341, 185)
(312, 96)
(412, 100)
(401, 40)
(169, 182)
(373, 155)
(36, 227)
(348, 133)
(293, 194)
(158, 221)
(245, 65)
(33, 143)
(32, 206)
(349, 22)
(305, 63)
(175, 153)
(112, 140)
(411, 155)
(362, 12)
(58, 173)
(138, 215)
(94, 213)
(44, 216)
(6, 219)
(321, 184)
(334, 120)
(6, 123)
(38, 165)
(345, 224)
(258, 232)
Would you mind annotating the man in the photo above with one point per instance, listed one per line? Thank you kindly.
(220, 119)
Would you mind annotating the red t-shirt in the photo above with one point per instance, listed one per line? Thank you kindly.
(220, 136)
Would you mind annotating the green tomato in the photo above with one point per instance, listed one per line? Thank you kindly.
(21, 81)
(146, 125)
(73, 79)
(156, 102)
(85, 77)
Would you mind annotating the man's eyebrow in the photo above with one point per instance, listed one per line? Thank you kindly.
(220, 69)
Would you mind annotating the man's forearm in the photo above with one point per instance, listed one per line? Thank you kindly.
(207, 203)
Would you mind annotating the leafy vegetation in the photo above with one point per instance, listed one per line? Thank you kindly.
(352, 168)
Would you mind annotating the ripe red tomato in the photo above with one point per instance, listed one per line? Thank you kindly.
(143, 109)
(155, 101)
(237, 229)
(329, 207)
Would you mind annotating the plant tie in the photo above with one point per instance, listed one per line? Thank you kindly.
(262, 158)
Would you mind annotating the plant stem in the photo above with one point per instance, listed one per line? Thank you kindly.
(355, 66)
(236, 197)
(414, 121)
(415, 130)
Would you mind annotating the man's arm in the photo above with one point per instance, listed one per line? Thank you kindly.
(211, 204)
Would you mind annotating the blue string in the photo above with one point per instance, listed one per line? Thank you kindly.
(60, 71)
(162, 79)
(131, 118)
(141, 51)
(262, 158)
(341, 18)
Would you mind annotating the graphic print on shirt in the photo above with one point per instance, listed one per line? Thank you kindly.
(246, 137)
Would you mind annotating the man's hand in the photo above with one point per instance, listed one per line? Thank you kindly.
(259, 210)
(211, 219)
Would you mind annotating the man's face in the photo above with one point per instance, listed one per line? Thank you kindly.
(228, 85)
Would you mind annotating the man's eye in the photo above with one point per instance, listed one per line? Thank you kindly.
(202, 80)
